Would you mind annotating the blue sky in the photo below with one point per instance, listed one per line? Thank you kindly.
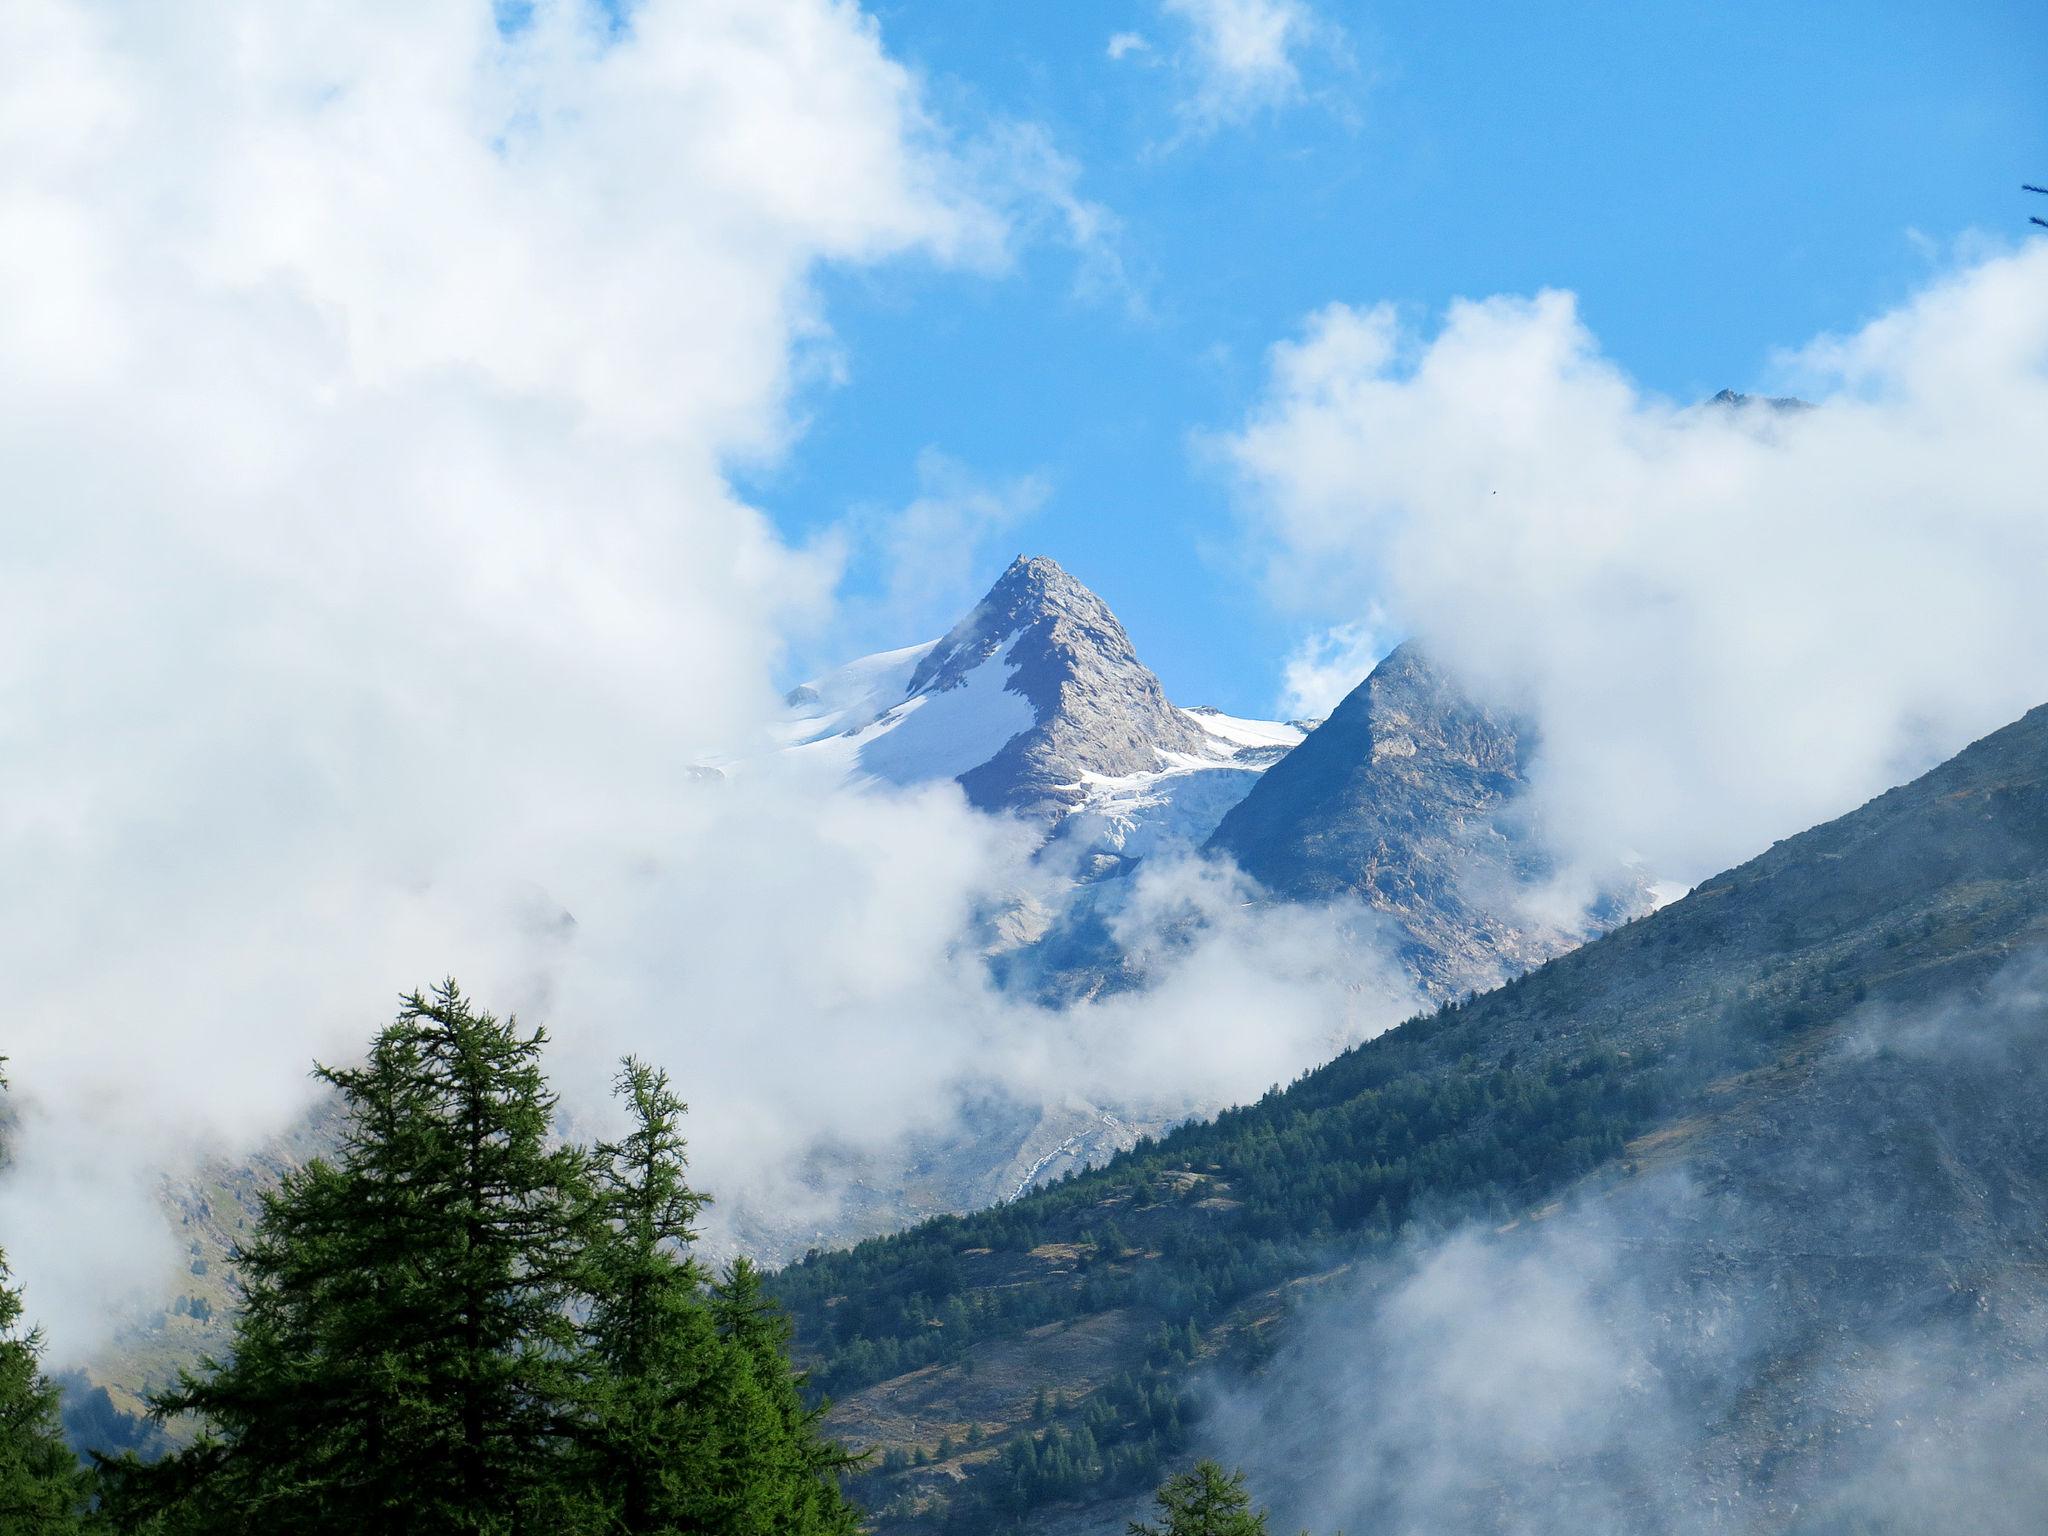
(1712, 182)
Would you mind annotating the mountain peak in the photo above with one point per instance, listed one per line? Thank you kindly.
(1033, 590)
(1729, 399)
(1034, 571)
(1098, 711)
(1402, 799)
(1034, 701)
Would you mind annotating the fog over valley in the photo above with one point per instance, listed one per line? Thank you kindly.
(1257, 821)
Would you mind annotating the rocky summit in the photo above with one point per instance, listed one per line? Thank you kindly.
(1098, 711)
(1407, 799)
(1037, 703)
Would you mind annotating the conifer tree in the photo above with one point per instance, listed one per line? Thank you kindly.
(652, 1345)
(1204, 1501)
(456, 1327)
(43, 1490)
(779, 1475)
(403, 1361)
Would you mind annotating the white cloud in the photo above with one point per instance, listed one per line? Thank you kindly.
(1327, 665)
(1019, 167)
(1123, 44)
(1243, 56)
(367, 565)
(1730, 623)
(370, 585)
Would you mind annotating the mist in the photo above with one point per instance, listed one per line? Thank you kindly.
(1812, 1311)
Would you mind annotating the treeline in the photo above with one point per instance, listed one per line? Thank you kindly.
(1389, 1132)
(459, 1324)
(1118, 1441)
(1115, 1440)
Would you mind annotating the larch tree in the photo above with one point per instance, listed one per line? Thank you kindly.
(652, 1349)
(404, 1359)
(780, 1470)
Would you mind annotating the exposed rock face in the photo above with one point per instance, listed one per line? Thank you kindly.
(1405, 798)
(1038, 706)
(1099, 709)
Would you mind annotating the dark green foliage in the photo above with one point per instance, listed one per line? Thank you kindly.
(652, 1347)
(1115, 1442)
(91, 1421)
(1122, 1435)
(1204, 1501)
(701, 1423)
(777, 1472)
(43, 1490)
(462, 1326)
(1347, 1156)
(401, 1363)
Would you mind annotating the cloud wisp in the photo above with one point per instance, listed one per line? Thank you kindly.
(1814, 1319)
(1234, 60)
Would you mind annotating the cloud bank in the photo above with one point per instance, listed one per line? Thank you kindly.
(371, 588)
(1731, 621)
(370, 578)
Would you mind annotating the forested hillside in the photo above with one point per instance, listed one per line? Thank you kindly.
(1006, 1360)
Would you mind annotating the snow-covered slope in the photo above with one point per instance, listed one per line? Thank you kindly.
(1036, 703)
(869, 722)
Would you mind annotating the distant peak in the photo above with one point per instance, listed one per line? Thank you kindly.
(1730, 399)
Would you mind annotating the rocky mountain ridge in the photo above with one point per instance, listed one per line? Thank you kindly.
(1409, 800)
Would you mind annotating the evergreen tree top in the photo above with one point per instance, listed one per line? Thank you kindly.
(1204, 1501)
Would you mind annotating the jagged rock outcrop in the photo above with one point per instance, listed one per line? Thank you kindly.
(1037, 703)
(1730, 399)
(1099, 710)
(1407, 799)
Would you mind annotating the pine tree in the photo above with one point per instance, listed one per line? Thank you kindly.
(43, 1490)
(652, 1344)
(778, 1474)
(404, 1359)
(458, 1328)
(1204, 1501)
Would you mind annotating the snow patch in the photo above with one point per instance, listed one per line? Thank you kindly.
(859, 718)
(942, 733)
(1237, 732)
(850, 696)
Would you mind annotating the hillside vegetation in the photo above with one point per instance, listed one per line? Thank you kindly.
(1187, 1250)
